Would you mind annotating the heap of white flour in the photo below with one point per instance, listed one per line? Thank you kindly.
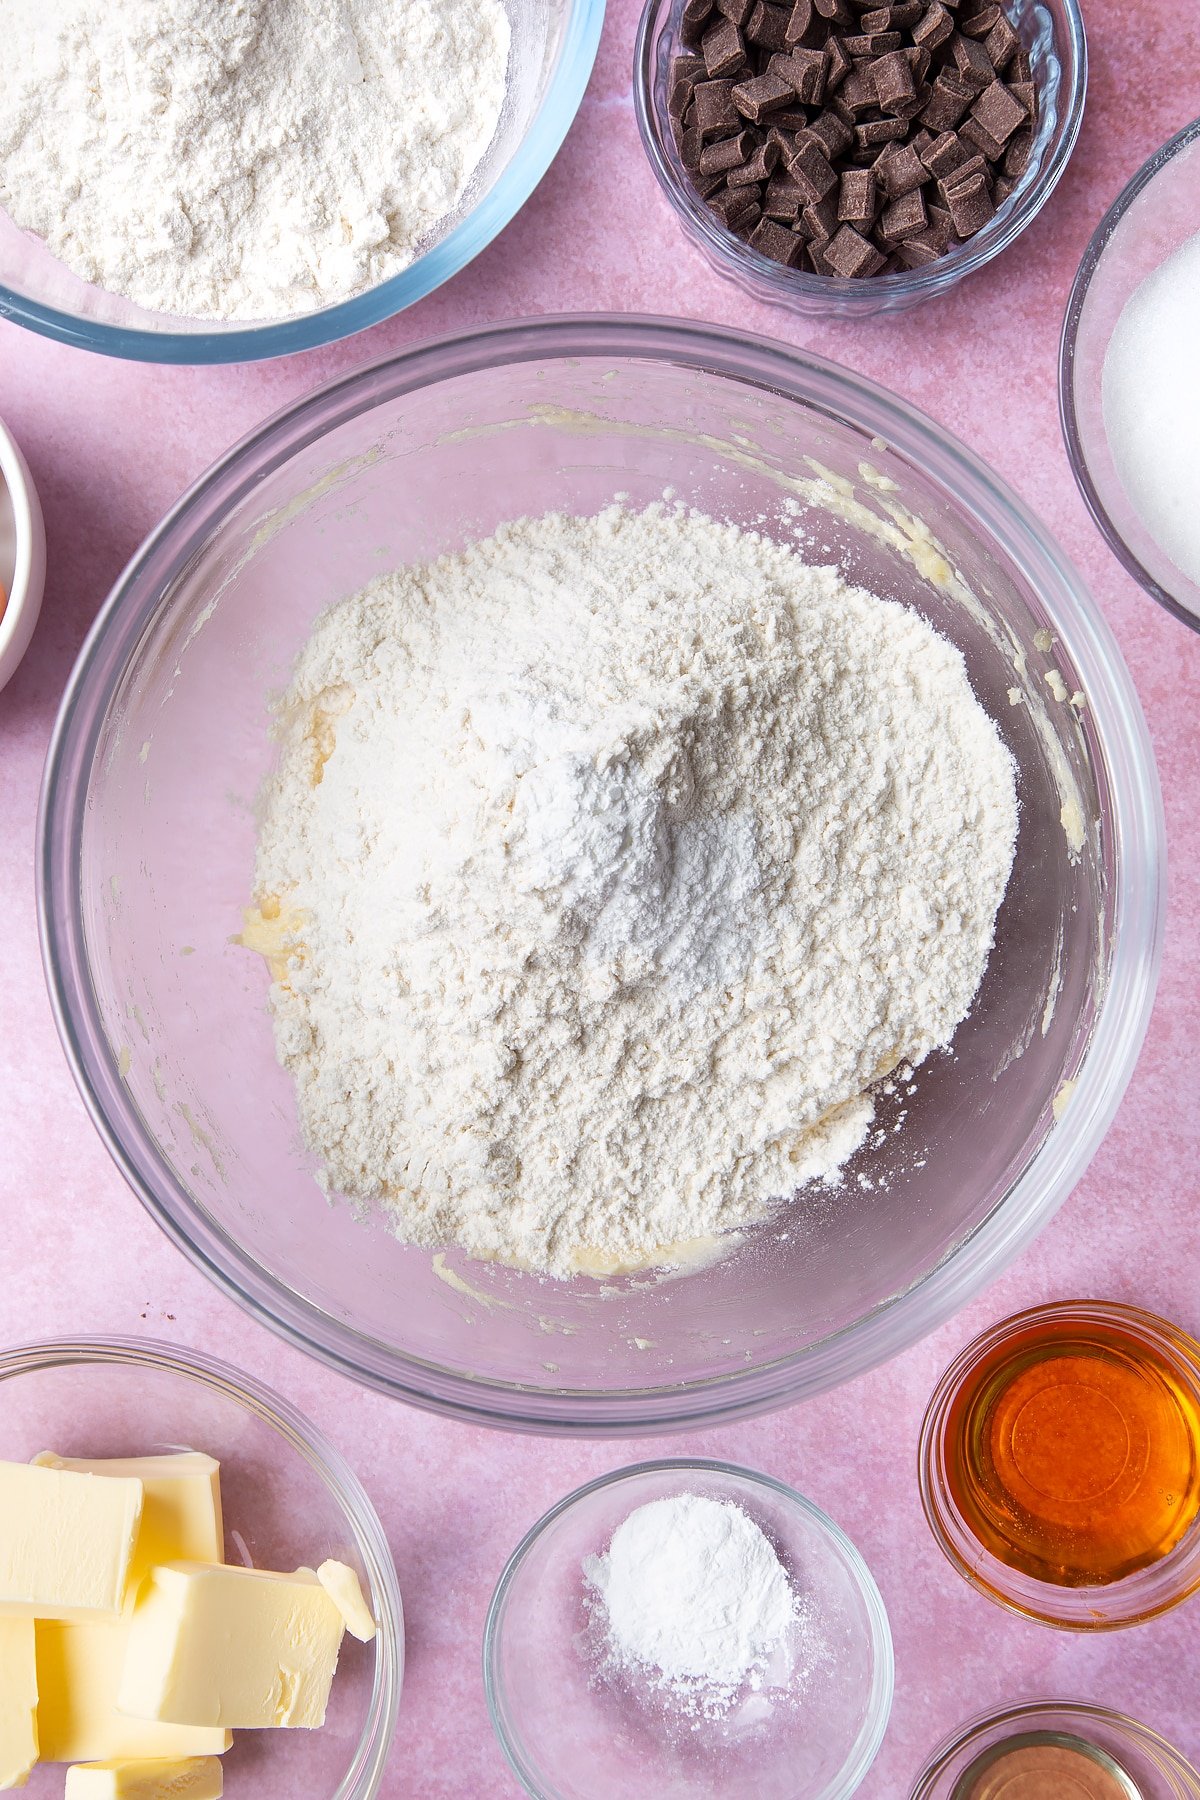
(613, 860)
(243, 159)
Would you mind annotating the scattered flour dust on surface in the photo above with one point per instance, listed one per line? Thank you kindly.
(622, 855)
(244, 159)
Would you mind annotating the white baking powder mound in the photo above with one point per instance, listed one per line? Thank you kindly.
(607, 865)
(244, 159)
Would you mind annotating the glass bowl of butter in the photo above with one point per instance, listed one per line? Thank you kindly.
(147, 874)
(199, 1571)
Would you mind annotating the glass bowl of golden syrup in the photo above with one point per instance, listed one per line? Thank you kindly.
(1056, 1750)
(1060, 1464)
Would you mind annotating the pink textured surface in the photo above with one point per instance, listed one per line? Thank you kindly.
(111, 446)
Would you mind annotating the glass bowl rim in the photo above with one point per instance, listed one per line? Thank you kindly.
(328, 324)
(793, 287)
(1026, 1596)
(362, 1782)
(1068, 417)
(1029, 1712)
(1139, 871)
(883, 1683)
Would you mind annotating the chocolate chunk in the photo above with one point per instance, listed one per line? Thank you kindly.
(948, 102)
(944, 154)
(724, 49)
(918, 60)
(806, 70)
(857, 197)
(980, 23)
(879, 43)
(921, 141)
(900, 170)
(934, 27)
(765, 94)
(970, 206)
(831, 135)
(806, 26)
(820, 221)
(999, 112)
(971, 62)
(974, 133)
(836, 12)
(905, 16)
(893, 81)
(715, 113)
(1021, 68)
(975, 165)
(732, 205)
(1001, 44)
(757, 168)
(917, 253)
(775, 241)
(856, 94)
(747, 220)
(1016, 157)
(693, 20)
(850, 255)
(768, 25)
(737, 10)
(903, 218)
(878, 19)
(686, 71)
(1004, 186)
(812, 172)
(1026, 94)
(782, 198)
(879, 131)
(727, 153)
(941, 225)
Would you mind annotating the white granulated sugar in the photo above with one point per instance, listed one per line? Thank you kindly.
(614, 859)
(244, 159)
(693, 1600)
(1151, 399)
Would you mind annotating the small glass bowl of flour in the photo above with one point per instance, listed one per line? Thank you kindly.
(1129, 370)
(692, 1629)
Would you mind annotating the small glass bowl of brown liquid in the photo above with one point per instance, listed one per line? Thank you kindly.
(1060, 1464)
(1056, 1750)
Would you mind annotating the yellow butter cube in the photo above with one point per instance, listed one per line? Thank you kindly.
(189, 1778)
(79, 1672)
(181, 1505)
(345, 1590)
(67, 1542)
(18, 1702)
(231, 1647)
(80, 1663)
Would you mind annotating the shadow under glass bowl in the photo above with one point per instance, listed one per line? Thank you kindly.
(1150, 218)
(147, 842)
(1052, 31)
(1140, 1756)
(288, 1499)
(570, 1736)
(553, 48)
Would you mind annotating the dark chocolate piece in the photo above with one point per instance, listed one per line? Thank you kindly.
(974, 133)
(764, 94)
(782, 198)
(806, 70)
(1016, 157)
(775, 241)
(830, 134)
(981, 22)
(724, 49)
(857, 197)
(1001, 44)
(900, 171)
(756, 169)
(948, 102)
(970, 206)
(894, 84)
(737, 10)
(716, 114)
(768, 26)
(903, 218)
(999, 112)
(944, 154)
(934, 27)
(971, 62)
(856, 95)
(879, 131)
(693, 20)
(806, 26)
(727, 153)
(878, 43)
(850, 255)
(820, 221)
(812, 172)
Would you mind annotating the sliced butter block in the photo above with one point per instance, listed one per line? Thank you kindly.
(185, 1778)
(231, 1647)
(18, 1702)
(345, 1590)
(181, 1505)
(79, 1671)
(67, 1541)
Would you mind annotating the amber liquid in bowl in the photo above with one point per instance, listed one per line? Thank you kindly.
(1073, 1453)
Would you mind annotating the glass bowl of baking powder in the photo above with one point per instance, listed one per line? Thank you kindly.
(225, 152)
(148, 840)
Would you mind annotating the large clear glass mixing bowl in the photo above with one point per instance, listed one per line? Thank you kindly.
(148, 833)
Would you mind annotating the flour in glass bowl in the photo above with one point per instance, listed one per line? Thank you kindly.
(244, 159)
(608, 864)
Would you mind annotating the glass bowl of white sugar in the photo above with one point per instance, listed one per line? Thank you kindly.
(161, 971)
(688, 1628)
(1129, 376)
(200, 184)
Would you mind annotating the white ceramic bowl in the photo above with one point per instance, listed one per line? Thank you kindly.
(22, 555)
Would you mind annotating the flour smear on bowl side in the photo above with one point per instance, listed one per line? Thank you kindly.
(607, 865)
(244, 159)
